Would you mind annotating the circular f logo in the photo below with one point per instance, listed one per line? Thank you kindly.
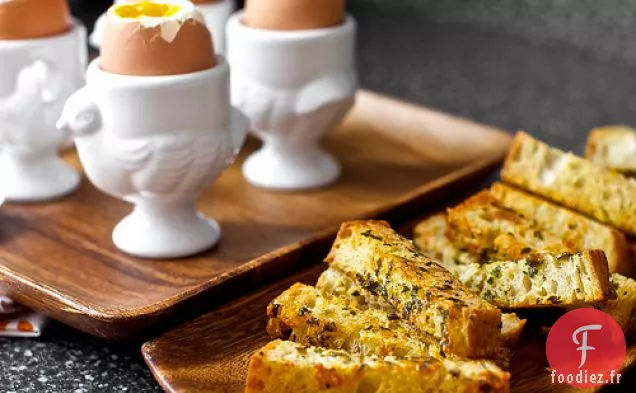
(586, 348)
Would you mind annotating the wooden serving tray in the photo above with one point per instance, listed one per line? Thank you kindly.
(211, 353)
(58, 258)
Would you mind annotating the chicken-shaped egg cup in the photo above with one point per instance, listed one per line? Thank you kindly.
(294, 76)
(154, 126)
(215, 12)
(42, 62)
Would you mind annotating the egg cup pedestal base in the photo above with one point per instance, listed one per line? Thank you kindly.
(295, 86)
(286, 168)
(31, 178)
(165, 229)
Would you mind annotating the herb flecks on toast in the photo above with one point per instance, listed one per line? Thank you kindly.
(421, 290)
(492, 232)
(287, 367)
(335, 283)
(572, 181)
(544, 279)
(304, 315)
(430, 237)
(576, 229)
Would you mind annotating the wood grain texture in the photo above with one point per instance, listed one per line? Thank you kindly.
(58, 257)
(211, 353)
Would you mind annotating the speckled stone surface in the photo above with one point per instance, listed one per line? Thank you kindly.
(64, 360)
(473, 64)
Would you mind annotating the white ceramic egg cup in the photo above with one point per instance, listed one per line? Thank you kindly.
(36, 78)
(157, 142)
(215, 13)
(295, 86)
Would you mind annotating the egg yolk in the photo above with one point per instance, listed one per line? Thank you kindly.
(146, 9)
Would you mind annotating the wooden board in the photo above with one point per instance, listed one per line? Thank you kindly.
(210, 354)
(58, 258)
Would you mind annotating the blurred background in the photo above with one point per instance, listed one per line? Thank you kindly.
(553, 68)
(89, 10)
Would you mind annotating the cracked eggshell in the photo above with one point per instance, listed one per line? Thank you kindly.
(150, 45)
(293, 14)
(27, 19)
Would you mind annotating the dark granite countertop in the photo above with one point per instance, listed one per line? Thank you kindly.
(469, 66)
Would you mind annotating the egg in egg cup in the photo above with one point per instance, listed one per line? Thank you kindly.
(42, 62)
(154, 126)
(294, 76)
(215, 12)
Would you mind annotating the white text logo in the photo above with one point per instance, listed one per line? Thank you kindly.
(584, 347)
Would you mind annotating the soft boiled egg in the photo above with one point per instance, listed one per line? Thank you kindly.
(25, 19)
(155, 37)
(293, 14)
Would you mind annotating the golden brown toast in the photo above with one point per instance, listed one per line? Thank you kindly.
(576, 229)
(547, 280)
(623, 308)
(613, 147)
(492, 232)
(429, 236)
(571, 181)
(421, 290)
(333, 283)
(511, 329)
(287, 367)
(304, 315)
(542, 280)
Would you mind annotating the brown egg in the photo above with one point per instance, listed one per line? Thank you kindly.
(293, 14)
(156, 37)
(24, 19)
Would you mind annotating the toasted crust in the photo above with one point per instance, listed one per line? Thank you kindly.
(493, 232)
(429, 236)
(511, 329)
(613, 147)
(622, 309)
(286, 367)
(420, 289)
(572, 181)
(632, 253)
(337, 284)
(577, 231)
(304, 315)
(540, 280)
